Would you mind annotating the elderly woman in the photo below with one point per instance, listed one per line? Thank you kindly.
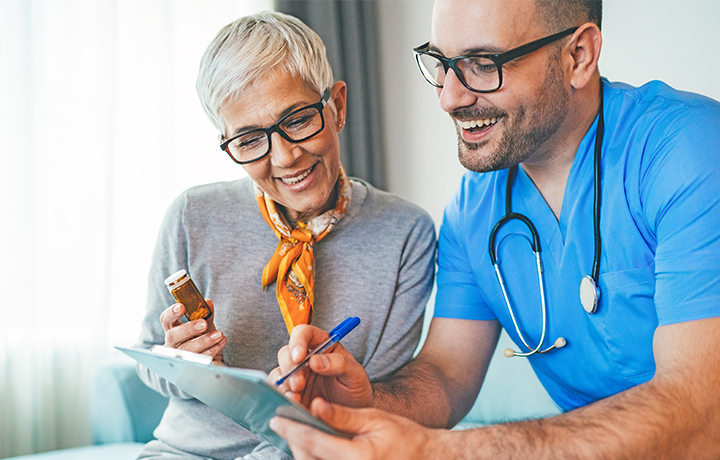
(295, 242)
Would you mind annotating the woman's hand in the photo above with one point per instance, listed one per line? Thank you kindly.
(199, 336)
(334, 376)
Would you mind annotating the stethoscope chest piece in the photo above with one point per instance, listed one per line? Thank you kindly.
(589, 294)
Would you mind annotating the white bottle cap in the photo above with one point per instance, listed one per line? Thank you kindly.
(177, 279)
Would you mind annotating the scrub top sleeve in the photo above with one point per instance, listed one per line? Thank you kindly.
(680, 193)
(458, 295)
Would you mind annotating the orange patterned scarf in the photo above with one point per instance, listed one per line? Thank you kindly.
(293, 262)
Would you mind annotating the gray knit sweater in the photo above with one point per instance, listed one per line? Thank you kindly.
(377, 263)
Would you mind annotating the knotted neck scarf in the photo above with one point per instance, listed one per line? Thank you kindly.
(293, 263)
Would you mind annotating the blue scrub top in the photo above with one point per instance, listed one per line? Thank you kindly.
(660, 229)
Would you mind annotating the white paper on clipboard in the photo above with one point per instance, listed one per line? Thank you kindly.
(243, 395)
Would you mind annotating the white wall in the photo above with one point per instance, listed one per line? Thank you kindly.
(420, 140)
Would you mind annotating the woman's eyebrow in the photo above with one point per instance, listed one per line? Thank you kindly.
(286, 111)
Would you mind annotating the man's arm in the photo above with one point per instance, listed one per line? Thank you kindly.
(676, 415)
(440, 385)
(437, 388)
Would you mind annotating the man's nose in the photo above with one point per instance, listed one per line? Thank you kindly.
(454, 95)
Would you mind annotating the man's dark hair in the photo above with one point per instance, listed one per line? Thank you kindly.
(559, 15)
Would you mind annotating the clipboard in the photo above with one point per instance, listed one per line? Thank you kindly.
(242, 395)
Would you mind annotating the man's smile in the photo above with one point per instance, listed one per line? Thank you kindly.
(477, 123)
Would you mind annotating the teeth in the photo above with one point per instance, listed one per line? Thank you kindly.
(475, 123)
(296, 179)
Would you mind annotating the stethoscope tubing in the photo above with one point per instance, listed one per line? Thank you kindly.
(597, 198)
(509, 215)
(512, 315)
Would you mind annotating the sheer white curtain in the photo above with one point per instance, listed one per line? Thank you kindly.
(100, 129)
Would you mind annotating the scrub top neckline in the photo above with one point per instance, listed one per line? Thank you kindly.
(528, 200)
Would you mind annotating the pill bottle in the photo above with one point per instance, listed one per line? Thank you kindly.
(185, 292)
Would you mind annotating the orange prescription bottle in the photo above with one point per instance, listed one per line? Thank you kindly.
(185, 292)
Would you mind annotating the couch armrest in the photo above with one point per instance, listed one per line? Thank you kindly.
(122, 407)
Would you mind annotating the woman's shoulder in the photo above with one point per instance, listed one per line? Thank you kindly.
(234, 189)
(218, 198)
(220, 193)
(389, 207)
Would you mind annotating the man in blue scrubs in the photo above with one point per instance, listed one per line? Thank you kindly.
(638, 377)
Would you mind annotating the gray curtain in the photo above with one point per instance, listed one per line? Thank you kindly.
(348, 28)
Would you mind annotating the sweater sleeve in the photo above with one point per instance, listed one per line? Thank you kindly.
(169, 256)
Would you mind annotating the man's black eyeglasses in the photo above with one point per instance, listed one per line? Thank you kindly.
(481, 73)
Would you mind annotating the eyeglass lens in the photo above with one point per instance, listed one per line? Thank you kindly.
(479, 73)
(297, 126)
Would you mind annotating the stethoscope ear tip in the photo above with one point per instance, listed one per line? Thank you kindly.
(559, 343)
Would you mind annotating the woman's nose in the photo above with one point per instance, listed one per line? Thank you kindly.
(283, 153)
(454, 95)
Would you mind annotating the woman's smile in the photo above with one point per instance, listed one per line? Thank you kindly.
(291, 179)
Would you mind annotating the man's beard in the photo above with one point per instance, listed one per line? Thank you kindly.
(517, 142)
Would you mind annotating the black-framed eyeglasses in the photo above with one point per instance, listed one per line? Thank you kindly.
(481, 73)
(297, 126)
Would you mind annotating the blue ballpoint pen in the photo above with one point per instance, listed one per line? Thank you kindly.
(340, 331)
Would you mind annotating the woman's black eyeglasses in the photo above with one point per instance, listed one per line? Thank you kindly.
(297, 126)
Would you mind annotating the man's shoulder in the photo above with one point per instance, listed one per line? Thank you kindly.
(475, 198)
(657, 98)
(475, 189)
(656, 119)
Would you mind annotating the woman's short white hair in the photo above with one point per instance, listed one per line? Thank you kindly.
(250, 48)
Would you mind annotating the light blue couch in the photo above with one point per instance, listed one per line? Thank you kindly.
(124, 412)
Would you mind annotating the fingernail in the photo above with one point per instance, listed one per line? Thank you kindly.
(176, 308)
(296, 353)
(273, 423)
(216, 335)
(200, 326)
(324, 363)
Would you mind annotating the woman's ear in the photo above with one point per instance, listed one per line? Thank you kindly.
(585, 47)
(338, 95)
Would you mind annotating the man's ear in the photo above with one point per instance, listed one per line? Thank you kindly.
(585, 46)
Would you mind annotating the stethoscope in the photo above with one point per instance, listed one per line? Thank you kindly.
(589, 290)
